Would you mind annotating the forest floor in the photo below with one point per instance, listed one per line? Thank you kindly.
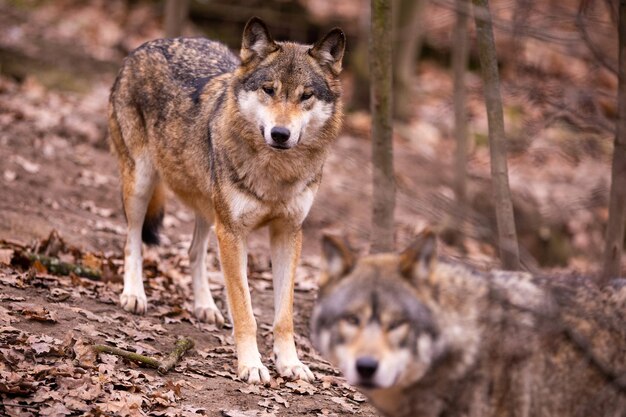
(60, 196)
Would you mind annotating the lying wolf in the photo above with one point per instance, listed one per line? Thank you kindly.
(241, 140)
(421, 337)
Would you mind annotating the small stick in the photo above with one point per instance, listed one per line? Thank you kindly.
(146, 360)
(182, 346)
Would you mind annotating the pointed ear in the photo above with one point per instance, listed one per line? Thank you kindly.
(338, 259)
(256, 41)
(329, 51)
(418, 261)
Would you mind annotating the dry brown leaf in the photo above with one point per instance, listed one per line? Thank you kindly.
(92, 261)
(345, 404)
(5, 316)
(5, 256)
(302, 387)
(35, 312)
(125, 404)
(85, 355)
(55, 410)
(239, 413)
(281, 400)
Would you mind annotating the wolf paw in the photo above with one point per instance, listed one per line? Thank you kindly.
(256, 374)
(137, 304)
(296, 371)
(209, 315)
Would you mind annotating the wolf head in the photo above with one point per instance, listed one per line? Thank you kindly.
(369, 320)
(288, 91)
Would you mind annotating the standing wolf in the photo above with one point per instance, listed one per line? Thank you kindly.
(242, 142)
(424, 338)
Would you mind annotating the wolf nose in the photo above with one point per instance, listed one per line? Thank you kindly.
(280, 134)
(366, 366)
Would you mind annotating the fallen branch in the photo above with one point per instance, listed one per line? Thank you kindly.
(54, 265)
(182, 346)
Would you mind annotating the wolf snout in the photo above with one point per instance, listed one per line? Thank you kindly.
(280, 134)
(366, 367)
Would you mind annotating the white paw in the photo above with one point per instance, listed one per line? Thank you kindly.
(209, 314)
(135, 303)
(295, 370)
(254, 374)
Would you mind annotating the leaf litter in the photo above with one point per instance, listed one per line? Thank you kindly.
(49, 324)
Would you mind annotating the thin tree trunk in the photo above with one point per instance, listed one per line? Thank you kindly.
(408, 34)
(175, 15)
(359, 62)
(617, 203)
(507, 237)
(459, 65)
(381, 99)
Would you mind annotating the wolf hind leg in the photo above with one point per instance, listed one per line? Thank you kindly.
(139, 182)
(204, 305)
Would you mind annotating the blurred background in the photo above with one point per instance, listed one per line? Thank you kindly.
(558, 66)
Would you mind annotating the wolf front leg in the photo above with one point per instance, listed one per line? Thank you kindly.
(233, 258)
(286, 243)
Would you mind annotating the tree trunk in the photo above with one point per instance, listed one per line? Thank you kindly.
(617, 203)
(359, 64)
(175, 15)
(459, 64)
(381, 99)
(408, 34)
(507, 237)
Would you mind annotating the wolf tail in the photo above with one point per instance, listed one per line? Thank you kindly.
(154, 216)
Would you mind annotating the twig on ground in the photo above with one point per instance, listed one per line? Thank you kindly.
(182, 346)
(164, 366)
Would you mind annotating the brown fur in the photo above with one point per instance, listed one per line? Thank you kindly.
(178, 117)
(478, 344)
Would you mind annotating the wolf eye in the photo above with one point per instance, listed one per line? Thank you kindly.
(351, 319)
(306, 96)
(397, 323)
(269, 91)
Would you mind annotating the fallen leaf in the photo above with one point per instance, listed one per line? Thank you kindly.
(5, 316)
(85, 355)
(28, 166)
(250, 389)
(9, 175)
(54, 410)
(345, 404)
(302, 387)
(35, 312)
(281, 400)
(5, 256)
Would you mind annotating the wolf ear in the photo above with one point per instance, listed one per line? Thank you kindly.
(418, 261)
(338, 259)
(329, 50)
(256, 41)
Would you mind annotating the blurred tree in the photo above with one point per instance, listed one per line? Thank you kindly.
(175, 15)
(507, 236)
(408, 36)
(358, 63)
(459, 64)
(617, 199)
(381, 99)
